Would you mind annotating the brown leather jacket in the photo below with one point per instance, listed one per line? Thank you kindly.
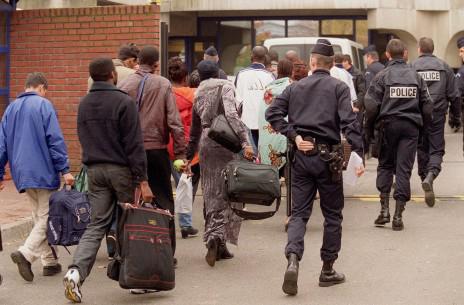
(158, 111)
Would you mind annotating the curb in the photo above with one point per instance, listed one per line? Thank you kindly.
(17, 230)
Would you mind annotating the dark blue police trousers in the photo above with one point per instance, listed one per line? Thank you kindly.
(309, 175)
(431, 148)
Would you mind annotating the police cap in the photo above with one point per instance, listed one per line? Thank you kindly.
(323, 47)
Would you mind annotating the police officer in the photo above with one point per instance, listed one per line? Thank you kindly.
(441, 83)
(373, 65)
(398, 105)
(318, 109)
(460, 84)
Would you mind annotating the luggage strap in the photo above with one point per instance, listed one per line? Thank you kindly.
(55, 256)
(256, 215)
(139, 97)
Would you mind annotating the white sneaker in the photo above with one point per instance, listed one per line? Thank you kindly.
(142, 291)
(72, 286)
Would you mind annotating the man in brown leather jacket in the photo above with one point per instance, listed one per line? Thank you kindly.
(159, 118)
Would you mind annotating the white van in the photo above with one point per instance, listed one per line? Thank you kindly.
(304, 45)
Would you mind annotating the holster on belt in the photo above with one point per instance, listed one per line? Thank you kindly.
(333, 155)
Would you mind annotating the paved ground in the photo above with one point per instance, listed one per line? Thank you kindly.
(421, 265)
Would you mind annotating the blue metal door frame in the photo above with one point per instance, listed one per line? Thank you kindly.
(7, 9)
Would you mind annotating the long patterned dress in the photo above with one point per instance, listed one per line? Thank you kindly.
(221, 222)
(271, 144)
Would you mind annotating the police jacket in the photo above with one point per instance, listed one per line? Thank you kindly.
(359, 85)
(398, 92)
(460, 80)
(441, 83)
(372, 71)
(318, 106)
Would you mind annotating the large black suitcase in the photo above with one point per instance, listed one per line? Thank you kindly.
(252, 183)
(144, 258)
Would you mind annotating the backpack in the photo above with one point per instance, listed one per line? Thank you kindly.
(68, 217)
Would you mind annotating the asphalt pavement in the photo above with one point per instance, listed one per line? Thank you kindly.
(423, 265)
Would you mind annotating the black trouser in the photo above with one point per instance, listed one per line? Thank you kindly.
(396, 157)
(309, 175)
(108, 184)
(159, 179)
(431, 148)
(255, 136)
(360, 117)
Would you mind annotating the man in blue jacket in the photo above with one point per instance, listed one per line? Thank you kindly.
(32, 142)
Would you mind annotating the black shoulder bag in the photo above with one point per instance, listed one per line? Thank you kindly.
(220, 130)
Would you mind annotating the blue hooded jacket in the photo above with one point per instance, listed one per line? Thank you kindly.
(32, 141)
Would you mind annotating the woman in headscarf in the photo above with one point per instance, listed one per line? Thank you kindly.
(221, 224)
(273, 145)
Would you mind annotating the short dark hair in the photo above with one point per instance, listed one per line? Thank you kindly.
(149, 55)
(194, 80)
(100, 69)
(128, 51)
(36, 79)
(177, 70)
(323, 61)
(274, 55)
(267, 60)
(347, 58)
(338, 58)
(259, 54)
(284, 68)
(396, 48)
(373, 54)
(426, 45)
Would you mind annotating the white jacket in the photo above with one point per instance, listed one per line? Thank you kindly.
(345, 77)
(251, 83)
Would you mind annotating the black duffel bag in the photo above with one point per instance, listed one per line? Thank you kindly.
(144, 258)
(252, 183)
(220, 130)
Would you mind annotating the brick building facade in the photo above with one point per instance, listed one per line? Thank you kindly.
(61, 43)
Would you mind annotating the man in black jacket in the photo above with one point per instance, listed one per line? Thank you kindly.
(373, 65)
(399, 106)
(112, 148)
(440, 80)
(318, 109)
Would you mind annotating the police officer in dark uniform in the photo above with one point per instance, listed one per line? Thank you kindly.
(460, 84)
(440, 80)
(318, 109)
(398, 105)
(373, 64)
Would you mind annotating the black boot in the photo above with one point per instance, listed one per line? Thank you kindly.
(384, 216)
(186, 232)
(223, 252)
(290, 285)
(329, 276)
(397, 224)
(211, 255)
(427, 186)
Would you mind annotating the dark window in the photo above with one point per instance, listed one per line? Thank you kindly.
(236, 45)
(303, 28)
(265, 29)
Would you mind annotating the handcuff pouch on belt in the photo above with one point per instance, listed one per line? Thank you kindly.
(332, 154)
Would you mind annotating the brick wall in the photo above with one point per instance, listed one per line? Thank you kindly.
(61, 43)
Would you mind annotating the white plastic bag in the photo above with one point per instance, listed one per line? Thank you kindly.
(184, 195)
(349, 176)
